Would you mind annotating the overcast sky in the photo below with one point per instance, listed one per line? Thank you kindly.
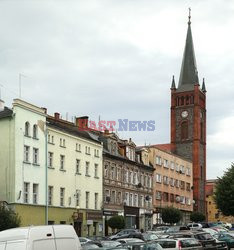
(115, 59)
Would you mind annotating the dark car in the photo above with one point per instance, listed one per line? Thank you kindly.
(176, 229)
(123, 232)
(226, 237)
(207, 241)
(137, 235)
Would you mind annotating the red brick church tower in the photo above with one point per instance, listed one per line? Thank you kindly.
(188, 120)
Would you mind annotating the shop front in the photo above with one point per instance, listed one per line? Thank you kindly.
(107, 214)
(131, 215)
(94, 223)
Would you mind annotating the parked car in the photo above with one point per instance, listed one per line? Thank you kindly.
(211, 231)
(142, 246)
(52, 237)
(207, 241)
(176, 229)
(83, 240)
(228, 238)
(149, 236)
(194, 226)
(184, 243)
(129, 235)
(123, 232)
(160, 229)
(129, 240)
(109, 243)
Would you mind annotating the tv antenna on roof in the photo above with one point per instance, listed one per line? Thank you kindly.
(20, 76)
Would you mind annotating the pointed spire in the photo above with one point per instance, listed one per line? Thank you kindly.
(188, 73)
(203, 86)
(173, 86)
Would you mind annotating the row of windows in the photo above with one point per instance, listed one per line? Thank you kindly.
(77, 164)
(35, 155)
(172, 182)
(127, 176)
(27, 130)
(167, 197)
(62, 190)
(172, 165)
(126, 198)
(78, 147)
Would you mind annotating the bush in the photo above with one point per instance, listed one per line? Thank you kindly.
(116, 222)
(8, 218)
(171, 215)
(197, 217)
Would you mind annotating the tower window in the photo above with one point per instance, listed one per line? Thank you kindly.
(187, 100)
(184, 130)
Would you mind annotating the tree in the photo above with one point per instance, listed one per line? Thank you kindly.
(8, 218)
(197, 217)
(116, 222)
(171, 215)
(224, 192)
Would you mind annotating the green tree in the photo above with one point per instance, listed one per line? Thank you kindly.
(224, 192)
(8, 218)
(116, 222)
(197, 217)
(171, 215)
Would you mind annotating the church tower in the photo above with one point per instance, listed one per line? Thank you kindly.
(188, 120)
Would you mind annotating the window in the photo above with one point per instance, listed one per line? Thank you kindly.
(177, 167)
(165, 163)
(130, 177)
(107, 196)
(177, 183)
(188, 171)
(26, 192)
(35, 155)
(35, 193)
(135, 203)
(27, 129)
(96, 201)
(62, 196)
(126, 201)
(77, 197)
(165, 180)
(171, 197)
(182, 184)
(184, 130)
(188, 187)
(77, 166)
(26, 153)
(172, 182)
(112, 173)
(158, 178)
(141, 201)
(87, 199)
(119, 174)
(106, 171)
(113, 198)
(158, 195)
(87, 168)
(62, 162)
(165, 197)
(172, 165)
(50, 159)
(35, 131)
(130, 199)
(61, 142)
(52, 139)
(96, 152)
(150, 181)
(87, 150)
(78, 147)
(96, 170)
(64, 143)
(50, 195)
(119, 198)
(158, 160)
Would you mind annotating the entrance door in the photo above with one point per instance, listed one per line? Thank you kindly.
(77, 227)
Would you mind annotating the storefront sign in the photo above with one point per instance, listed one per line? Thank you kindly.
(94, 216)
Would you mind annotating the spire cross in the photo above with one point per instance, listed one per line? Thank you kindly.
(189, 17)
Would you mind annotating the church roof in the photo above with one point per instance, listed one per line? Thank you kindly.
(188, 73)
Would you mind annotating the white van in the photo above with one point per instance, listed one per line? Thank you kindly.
(54, 237)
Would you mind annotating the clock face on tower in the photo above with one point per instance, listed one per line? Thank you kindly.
(184, 114)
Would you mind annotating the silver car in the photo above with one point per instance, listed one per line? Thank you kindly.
(179, 244)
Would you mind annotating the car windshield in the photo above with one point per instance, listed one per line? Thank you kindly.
(110, 243)
(205, 236)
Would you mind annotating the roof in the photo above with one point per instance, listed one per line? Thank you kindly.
(71, 129)
(188, 73)
(6, 112)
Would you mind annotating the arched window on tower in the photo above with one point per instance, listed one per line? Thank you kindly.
(187, 100)
(201, 131)
(182, 100)
(184, 130)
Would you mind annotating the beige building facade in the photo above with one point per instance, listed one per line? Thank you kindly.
(172, 182)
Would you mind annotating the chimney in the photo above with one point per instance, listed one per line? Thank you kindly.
(82, 122)
(2, 106)
(45, 110)
(56, 116)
